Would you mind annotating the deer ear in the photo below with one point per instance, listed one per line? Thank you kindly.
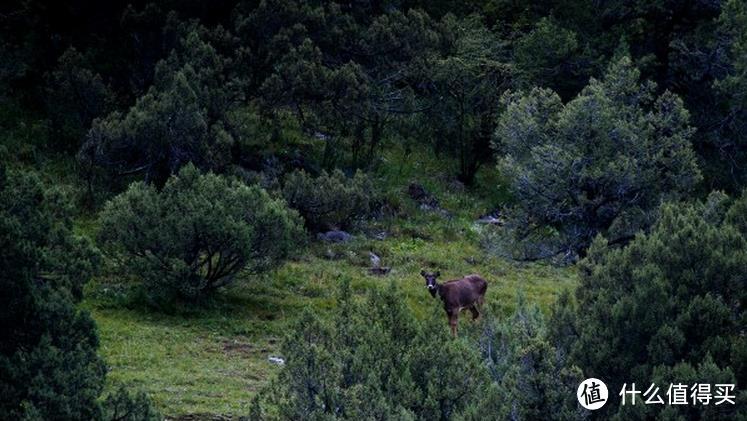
(438, 273)
(422, 273)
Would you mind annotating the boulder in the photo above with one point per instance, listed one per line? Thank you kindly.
(276, 360)
(491, 218)
(335, 236)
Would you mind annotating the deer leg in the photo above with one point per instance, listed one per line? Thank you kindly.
(453, 320)
(475, 311)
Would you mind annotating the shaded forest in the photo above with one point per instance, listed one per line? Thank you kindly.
(220, 209)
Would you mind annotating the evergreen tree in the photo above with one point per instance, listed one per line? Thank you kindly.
(374, 360)
(551, 56)
(465, 84)
(669, 308)
(48, 363)
(724, 135)
(196, 234)
(75, 96)
(346, 75)
(532, 378)
(49, 367)
(598, 164)
(331, 200)
(182, 118)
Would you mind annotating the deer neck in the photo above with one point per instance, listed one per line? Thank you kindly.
(436, 290)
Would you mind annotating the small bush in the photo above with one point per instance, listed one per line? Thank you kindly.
(530, 372)
(196, 234)
(330, 201)
(373, 360)
(124, 406)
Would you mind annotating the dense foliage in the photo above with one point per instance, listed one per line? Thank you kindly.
(355, 72)
(180, 119)
(49, 368)
(48, 362)
(196, 234)
(207, 135)
(598, 164)
(75, 96)
(465, 85)
(163, 79)
(670, 307)
(374, 360)
(331, 200)
(532, 376)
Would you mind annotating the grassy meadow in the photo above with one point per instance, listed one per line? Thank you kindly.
(212, 361)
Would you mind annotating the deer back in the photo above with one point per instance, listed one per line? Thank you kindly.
(464, 292)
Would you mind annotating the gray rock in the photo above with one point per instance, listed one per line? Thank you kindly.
(492, 218)
(335, 236)
(376, 268)
(375, 260)
(382, 235)
(276, 360)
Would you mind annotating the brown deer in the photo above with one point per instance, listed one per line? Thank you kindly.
(458, 295)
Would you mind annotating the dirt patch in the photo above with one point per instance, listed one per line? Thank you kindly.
(244, 348)
(238, 348)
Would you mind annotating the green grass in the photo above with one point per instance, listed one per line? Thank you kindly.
(182, 364)
(213, 360)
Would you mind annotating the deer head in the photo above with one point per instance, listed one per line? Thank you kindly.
(430, 281)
